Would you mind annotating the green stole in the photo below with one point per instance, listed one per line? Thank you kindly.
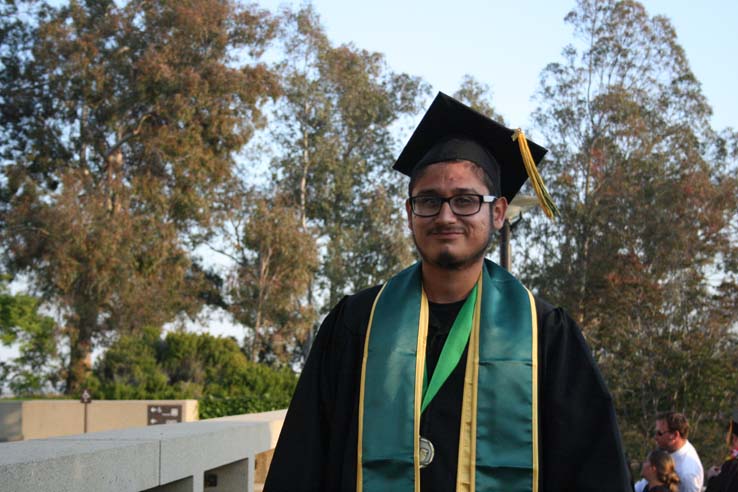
(498, 445)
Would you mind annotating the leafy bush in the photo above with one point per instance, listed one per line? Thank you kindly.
(36, 368)
(190, 365)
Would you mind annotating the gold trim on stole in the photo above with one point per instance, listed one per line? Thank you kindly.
(419, 373)
(534, 392)
(475, 383)
(466, 463)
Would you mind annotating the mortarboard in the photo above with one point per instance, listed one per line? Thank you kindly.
(451, 130)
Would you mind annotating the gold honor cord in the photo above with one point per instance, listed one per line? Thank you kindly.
(547, 204)
(534, 390)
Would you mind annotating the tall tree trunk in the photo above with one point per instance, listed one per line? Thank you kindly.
(80, 359)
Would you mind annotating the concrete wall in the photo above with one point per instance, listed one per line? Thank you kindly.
(40, 419)
(164, 458)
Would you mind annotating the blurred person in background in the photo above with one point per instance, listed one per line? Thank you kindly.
(724, 478)
(672, 430)
(659, 472)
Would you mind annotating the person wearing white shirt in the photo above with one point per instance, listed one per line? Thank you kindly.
(672, 429)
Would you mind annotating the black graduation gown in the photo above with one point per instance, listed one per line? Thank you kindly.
(579, 437)
(727, 480)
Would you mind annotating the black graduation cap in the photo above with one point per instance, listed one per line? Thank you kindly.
(450, 130)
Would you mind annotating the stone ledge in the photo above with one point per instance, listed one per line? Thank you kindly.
(139, 458)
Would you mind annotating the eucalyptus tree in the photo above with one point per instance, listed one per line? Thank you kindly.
(120, 122)
(477, 95)
(642, 254)
(274, 260)
(334, 130)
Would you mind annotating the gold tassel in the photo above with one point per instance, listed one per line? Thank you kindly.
(729, 437)
(545, 200)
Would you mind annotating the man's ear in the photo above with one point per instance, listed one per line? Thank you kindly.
(409, 211)
(498, 212)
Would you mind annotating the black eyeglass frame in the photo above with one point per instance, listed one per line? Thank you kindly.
(481, 200)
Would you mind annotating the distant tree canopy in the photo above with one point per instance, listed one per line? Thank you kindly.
(328, 220)
(119, 126)
(275, 261)
(645, 252)
(190, 365)
(333, 129)
(478, 96)
(121, 130)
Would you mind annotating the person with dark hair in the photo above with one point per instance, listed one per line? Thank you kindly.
(725, 477)
(452, 376)
(659, 472)
(672, 430)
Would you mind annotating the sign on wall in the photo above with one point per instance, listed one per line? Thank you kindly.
(164, 414)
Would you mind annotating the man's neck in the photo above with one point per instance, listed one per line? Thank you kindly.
(678, 445)
(444, 286)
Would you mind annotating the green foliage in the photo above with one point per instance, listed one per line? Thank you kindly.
(119, 126)
(330, 219)
(190, 365)
(129, 369)
(267, 288)
(257, 388)
(34, 336)
(641, 256)
(333, 128)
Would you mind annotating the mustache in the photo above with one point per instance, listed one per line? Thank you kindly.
(446, 230)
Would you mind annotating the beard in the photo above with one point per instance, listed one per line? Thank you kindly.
(449, 261)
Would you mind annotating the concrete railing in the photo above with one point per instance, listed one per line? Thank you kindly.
(213, 455)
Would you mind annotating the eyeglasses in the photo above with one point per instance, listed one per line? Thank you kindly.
(659, 433)
(461, 205)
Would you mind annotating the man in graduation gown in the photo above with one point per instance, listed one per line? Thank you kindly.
(452, 376)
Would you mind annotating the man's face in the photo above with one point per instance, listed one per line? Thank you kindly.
(447, 240)
(665, 439)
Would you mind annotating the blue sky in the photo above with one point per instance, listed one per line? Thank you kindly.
(506, 44)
